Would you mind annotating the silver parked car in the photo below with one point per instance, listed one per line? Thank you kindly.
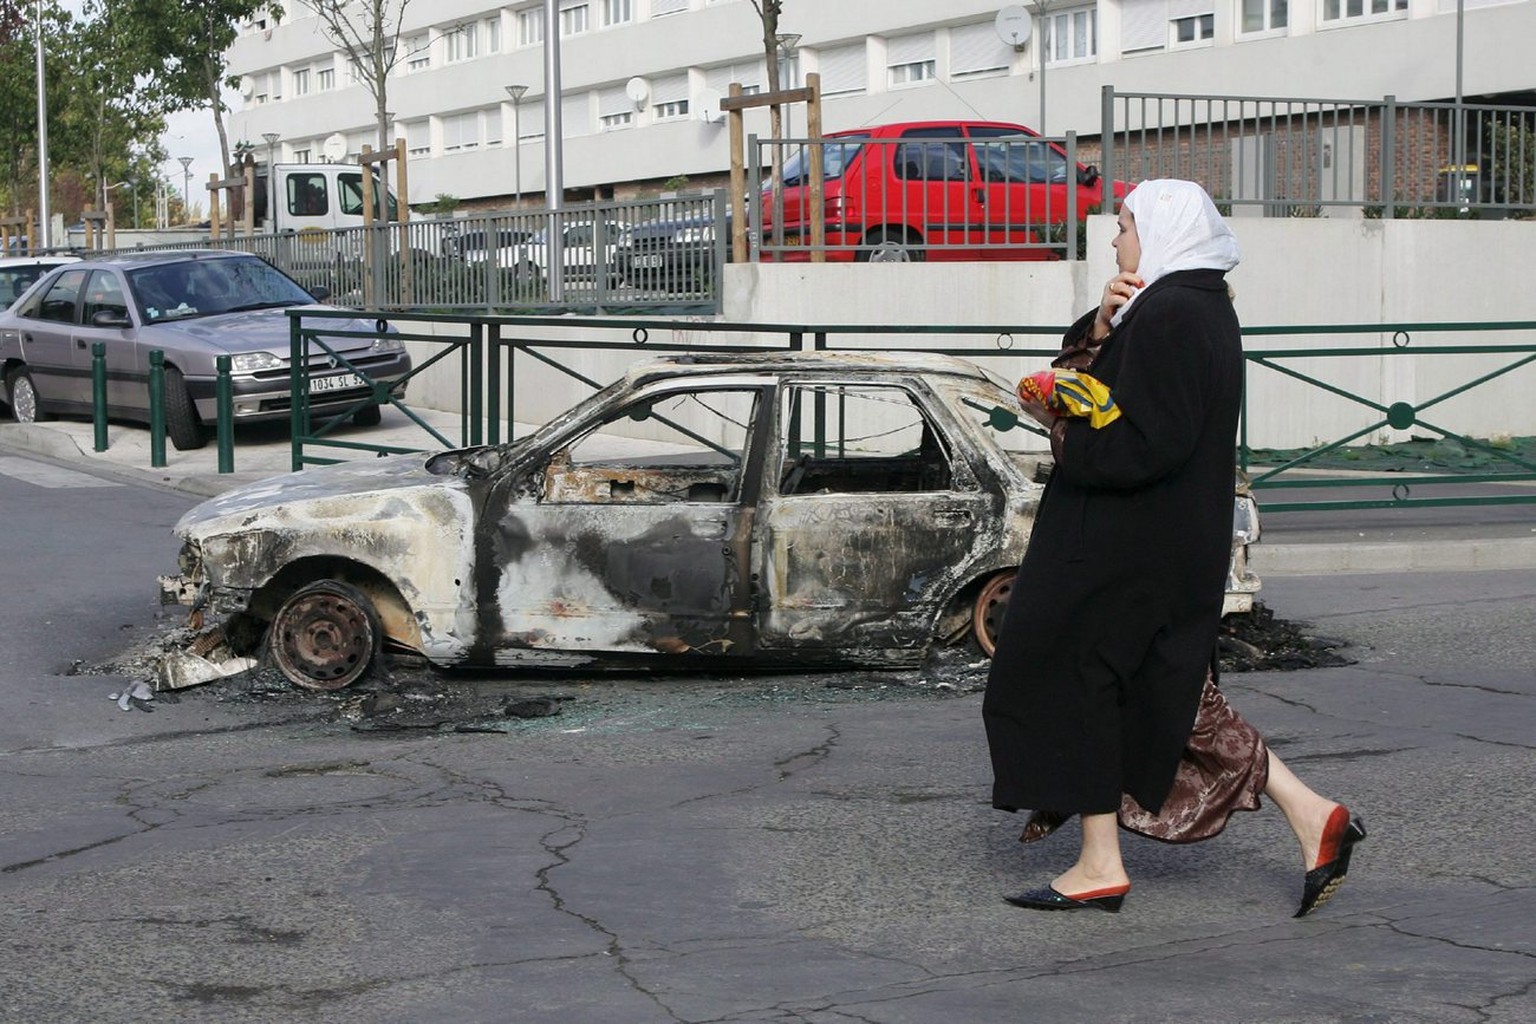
(704, 510)
(193, 306)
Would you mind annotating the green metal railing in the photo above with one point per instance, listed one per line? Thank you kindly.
(1399, 415)
(488, 349)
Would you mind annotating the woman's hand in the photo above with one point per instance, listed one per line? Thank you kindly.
(1116, 294)
(1038, 412)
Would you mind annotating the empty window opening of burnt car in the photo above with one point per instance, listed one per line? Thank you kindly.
(672, 446)
(858, 439)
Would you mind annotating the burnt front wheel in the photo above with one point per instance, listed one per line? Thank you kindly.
(987, 615)
(325, 636)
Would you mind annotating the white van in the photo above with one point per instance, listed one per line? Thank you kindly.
(317, 196)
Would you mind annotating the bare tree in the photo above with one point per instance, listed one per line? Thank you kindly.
(368, 32)
(768, 12)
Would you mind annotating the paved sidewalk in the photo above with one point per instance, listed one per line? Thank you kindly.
(1371, 541)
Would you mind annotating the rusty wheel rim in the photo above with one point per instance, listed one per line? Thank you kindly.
(323, 638)
(987, 617)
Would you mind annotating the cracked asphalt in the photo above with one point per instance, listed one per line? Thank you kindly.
(713, 857)
(730, 851)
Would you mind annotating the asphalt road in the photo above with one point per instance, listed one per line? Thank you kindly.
(708, 850)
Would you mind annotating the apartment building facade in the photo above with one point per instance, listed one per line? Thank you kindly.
(641, 79)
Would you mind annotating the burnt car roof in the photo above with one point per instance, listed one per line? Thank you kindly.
(865, 362)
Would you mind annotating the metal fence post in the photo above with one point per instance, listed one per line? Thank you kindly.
(1072, 224)
(297, 368)
(493, 389)
(99, 393)
(721, 249)
(224, 403)
(755, 237)
(1388, 157)
(475, 406)
(1107, 146)
(156, 408)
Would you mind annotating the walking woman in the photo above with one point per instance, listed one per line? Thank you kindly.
(1101, 699)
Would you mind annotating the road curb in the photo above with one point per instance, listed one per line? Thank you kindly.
(1438, 555)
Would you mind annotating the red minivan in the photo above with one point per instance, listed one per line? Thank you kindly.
(934, 190)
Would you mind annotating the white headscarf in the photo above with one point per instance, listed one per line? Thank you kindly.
(1179, 229)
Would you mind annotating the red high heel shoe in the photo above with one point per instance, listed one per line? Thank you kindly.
(1108, 899)
(1339, 838)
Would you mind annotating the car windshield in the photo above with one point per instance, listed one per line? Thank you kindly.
(208, 287)
(836, 155)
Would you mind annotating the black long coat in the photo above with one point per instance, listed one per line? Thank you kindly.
(1113, 618)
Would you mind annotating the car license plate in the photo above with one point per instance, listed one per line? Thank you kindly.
(338, 382)
(648, 262)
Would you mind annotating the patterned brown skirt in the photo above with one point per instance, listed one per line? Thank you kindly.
(1224, 768)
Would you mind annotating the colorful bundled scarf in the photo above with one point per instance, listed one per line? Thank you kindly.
(1071, 393)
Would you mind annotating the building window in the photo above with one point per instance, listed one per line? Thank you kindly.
(913, 71)
(1071, 36)
(418, 138)
(1362, 10)
(613, 122)
(301, 156)
(574, 19)
(670, 111)
(461, 132)
(461, 43)
(1195, 29)
(325, 79)
(301, 82)
(418, 54)
(492, 35)
(1264, 15)
(530, 27)
(618, 12)
(661, 7)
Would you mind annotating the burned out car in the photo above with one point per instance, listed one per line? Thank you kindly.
(707, 509)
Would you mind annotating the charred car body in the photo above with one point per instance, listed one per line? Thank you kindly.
(815, 509)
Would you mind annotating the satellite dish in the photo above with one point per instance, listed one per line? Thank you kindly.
(247, 87)
(334, 147)
(638, 90)
(706, 106)
(1013, 25)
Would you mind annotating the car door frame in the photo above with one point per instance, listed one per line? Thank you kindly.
(47, 347)
(812, 604)
(127, 367)
(1019, 212)
(531, 545)
(948, 212)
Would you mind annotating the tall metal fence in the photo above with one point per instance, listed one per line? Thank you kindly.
(1288, 157)
(587, 258)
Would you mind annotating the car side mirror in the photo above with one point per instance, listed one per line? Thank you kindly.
(1088, 176)
(320, 293)
(110, 318)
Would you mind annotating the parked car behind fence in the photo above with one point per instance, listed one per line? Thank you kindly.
(193, 306)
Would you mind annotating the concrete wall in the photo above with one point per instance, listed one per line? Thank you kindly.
(1295, 272)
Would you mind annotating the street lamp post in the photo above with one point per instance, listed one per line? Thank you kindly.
(271, 141)
(516, 92)
(186, 189)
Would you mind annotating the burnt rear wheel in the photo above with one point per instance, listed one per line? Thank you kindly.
(987, 614)
(325, 636)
